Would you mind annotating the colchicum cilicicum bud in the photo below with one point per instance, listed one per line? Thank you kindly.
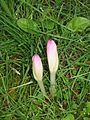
(38, 72)
(53, 62)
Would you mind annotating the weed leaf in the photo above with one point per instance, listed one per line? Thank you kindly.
(27, 25)
(78, 24)
(86, 118)
(69, 117)
(88, 107)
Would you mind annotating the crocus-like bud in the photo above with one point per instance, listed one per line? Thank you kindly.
(38, 72)
(53, 61)
(37, 67)
(52, 56)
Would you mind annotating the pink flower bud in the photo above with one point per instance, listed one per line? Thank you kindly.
(52, 56)
(37, 67)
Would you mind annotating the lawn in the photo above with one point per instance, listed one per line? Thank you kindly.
(25, 28)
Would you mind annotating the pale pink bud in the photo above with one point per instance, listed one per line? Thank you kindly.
(37, 67)
(52, 56)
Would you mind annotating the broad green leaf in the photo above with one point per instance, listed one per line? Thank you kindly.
(69, 117)
(86, 118)
(88, 107)
(78, 24)
(27, 25)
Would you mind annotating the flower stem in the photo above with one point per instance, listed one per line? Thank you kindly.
(53, 84)
(42, 87)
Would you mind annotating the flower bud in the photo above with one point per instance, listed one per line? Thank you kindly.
(37, 67)
(52, 56)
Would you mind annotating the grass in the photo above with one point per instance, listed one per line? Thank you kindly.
(20, 95)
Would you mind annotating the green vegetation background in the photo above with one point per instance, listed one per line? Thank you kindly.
(19, 98)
